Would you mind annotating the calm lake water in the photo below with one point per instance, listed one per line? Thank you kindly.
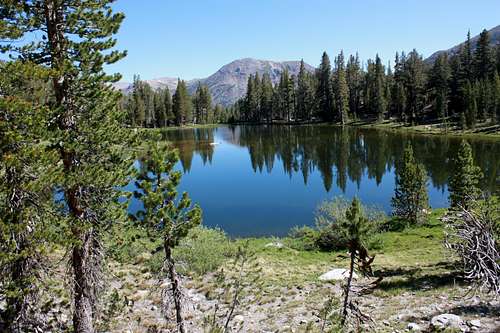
(263, 180)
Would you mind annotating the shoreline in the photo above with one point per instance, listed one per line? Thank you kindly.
(483, 132)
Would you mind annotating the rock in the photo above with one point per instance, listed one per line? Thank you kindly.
(386, 323)
(448, 320)
(239, 318)
(413, 327)
(337, 274)
(475, 323)
(63, 318)
(277, 245)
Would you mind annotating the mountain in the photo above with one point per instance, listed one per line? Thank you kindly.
(494, 40)
(229, 83)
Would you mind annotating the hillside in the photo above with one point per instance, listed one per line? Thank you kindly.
(495, 40)
(229, 83)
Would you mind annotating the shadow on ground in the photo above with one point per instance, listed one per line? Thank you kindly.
(419, 278)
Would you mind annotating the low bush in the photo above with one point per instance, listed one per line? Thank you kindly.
(204, 250)
(303, 238)
(326, 236)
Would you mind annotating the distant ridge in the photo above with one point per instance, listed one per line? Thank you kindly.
(494, 40)
(229, 83)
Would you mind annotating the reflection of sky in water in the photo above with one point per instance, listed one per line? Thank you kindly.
(245, 202)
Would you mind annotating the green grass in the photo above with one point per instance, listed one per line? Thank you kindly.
(403, 254)
(409, 259)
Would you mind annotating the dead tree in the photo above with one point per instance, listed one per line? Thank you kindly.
(471, 235)
(356, 229)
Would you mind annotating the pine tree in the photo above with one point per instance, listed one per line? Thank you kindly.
(467, 60)
(159, 109)
(266, 98)
(138, 106)
(26, 179)
(169, 112)
(439, 82)
(258, 94)
(342, 90)
(484, 98)
(464, 180)
(410, 201)
(484, 63)
(355, 230)
(415, 80)
(498, 58)
(165, 216)
(219, 114)
(252, 99)
(470, 105)
(74, 39)
(354, 77)
(380, 104)
(288, 95)
(303, 93)
(324, 92)
(202, 105)
(495, 92)
(182, 105)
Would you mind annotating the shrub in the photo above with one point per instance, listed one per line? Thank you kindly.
(303, 238)
(326, 235)
(204, 250)
(331, 214)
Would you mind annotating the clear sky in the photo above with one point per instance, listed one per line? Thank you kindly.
(194, 38)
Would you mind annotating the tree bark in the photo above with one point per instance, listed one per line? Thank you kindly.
(83, 296)
(83, 250)
(348, 288)
(176, 292)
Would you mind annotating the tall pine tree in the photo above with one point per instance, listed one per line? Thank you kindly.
(342, 90)
(324, 92)
(410, 201)
(464, 180)
(75, 39)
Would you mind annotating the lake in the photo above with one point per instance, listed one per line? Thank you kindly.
(263, 180)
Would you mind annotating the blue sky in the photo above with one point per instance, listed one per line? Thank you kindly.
(194, 38)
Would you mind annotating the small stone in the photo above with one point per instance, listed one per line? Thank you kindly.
(63, 317)
(239, 318)
(448, 320)
(413, 327)
(277, 245)
(337, 274)
(303, 322)
(386, 323)
(475, 323)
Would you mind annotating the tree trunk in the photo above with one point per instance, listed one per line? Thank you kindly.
(82, 251)
(348, 288)
(176, 292)
(83, 295)
(17, 306)
(22, 268)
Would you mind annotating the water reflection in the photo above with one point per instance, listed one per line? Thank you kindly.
(353, 153)
(262, 180)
